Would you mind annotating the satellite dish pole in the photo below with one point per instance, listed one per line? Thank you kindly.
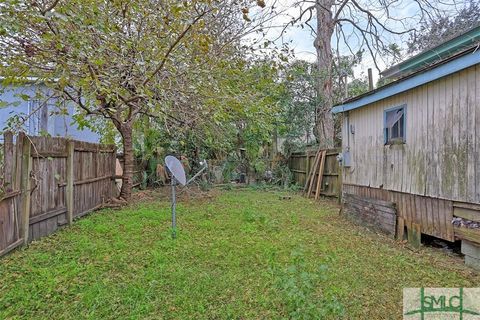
(174, 207)
(177, 174)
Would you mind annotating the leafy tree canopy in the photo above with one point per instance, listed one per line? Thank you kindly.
(124, 60)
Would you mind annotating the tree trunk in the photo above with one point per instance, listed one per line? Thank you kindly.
(126, 131)
(251, 175)
(274, 143)
(324, 129)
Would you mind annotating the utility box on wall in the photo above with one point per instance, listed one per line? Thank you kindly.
(345, 159)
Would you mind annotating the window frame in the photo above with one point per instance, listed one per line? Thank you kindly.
(33, 115)
(401, 140)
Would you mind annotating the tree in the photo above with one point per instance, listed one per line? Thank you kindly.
(301, 95)
(442, 27)
(299, 102)
(121, 60)
(247, 98)
(238, 99)
(354, 25)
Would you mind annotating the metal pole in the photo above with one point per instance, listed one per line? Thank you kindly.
(370, 79)
(174, 205)
(196, 175)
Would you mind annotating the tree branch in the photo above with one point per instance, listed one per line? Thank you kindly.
(173, 46)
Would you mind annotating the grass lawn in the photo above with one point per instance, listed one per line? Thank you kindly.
(240, 255)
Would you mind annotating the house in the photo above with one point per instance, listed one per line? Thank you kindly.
(411, 148)
(38, 110)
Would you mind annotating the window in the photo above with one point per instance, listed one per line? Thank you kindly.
(38, 117)
(33, 118)
(394, 125)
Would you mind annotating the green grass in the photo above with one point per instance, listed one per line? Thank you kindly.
(243, 255)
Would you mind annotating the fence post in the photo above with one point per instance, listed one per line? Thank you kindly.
(17, 175)
(26, 185)
(70, 177)
(17, 180)
(307, 164)
(340, 183)
(114, 189)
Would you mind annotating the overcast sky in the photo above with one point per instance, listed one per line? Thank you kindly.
(302, 39)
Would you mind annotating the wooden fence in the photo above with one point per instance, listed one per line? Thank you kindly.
(1, 164)
(300, 165)
(48, 182)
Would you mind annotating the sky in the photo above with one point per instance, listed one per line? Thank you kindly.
(405, 12)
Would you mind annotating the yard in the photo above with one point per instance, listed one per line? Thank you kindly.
(240, 254)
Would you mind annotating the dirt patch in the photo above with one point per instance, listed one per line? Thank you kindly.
(184, 194)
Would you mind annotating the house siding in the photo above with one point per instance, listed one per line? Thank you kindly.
(441, 156)
(44, 119)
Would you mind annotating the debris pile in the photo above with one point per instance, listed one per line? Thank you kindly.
(464, 223)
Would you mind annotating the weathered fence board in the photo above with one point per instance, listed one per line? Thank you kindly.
(49, 182)
(300, 165)
(10, 220)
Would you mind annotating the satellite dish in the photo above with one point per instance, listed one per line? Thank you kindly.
(176, 169)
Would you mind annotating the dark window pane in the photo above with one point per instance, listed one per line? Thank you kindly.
(395, 131)
(394, 124)
(400, 125)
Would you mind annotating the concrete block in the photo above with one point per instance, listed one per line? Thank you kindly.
(472, 262)
(471, 249)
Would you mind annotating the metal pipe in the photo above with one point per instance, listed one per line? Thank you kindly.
(205, 166)
(370, 79)
(196, 175)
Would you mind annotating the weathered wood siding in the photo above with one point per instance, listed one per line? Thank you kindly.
(433, 216)
(441, 156)
(371, 212)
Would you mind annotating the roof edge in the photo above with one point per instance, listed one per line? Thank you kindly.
(467, 59)
(438, 52)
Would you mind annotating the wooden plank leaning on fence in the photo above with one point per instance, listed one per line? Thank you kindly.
(315, 176)
(311, 175)
(320, 173)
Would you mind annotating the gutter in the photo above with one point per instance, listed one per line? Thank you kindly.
(439, 52)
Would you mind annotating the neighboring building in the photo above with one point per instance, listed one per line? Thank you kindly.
(415, 143)
(31, 101)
